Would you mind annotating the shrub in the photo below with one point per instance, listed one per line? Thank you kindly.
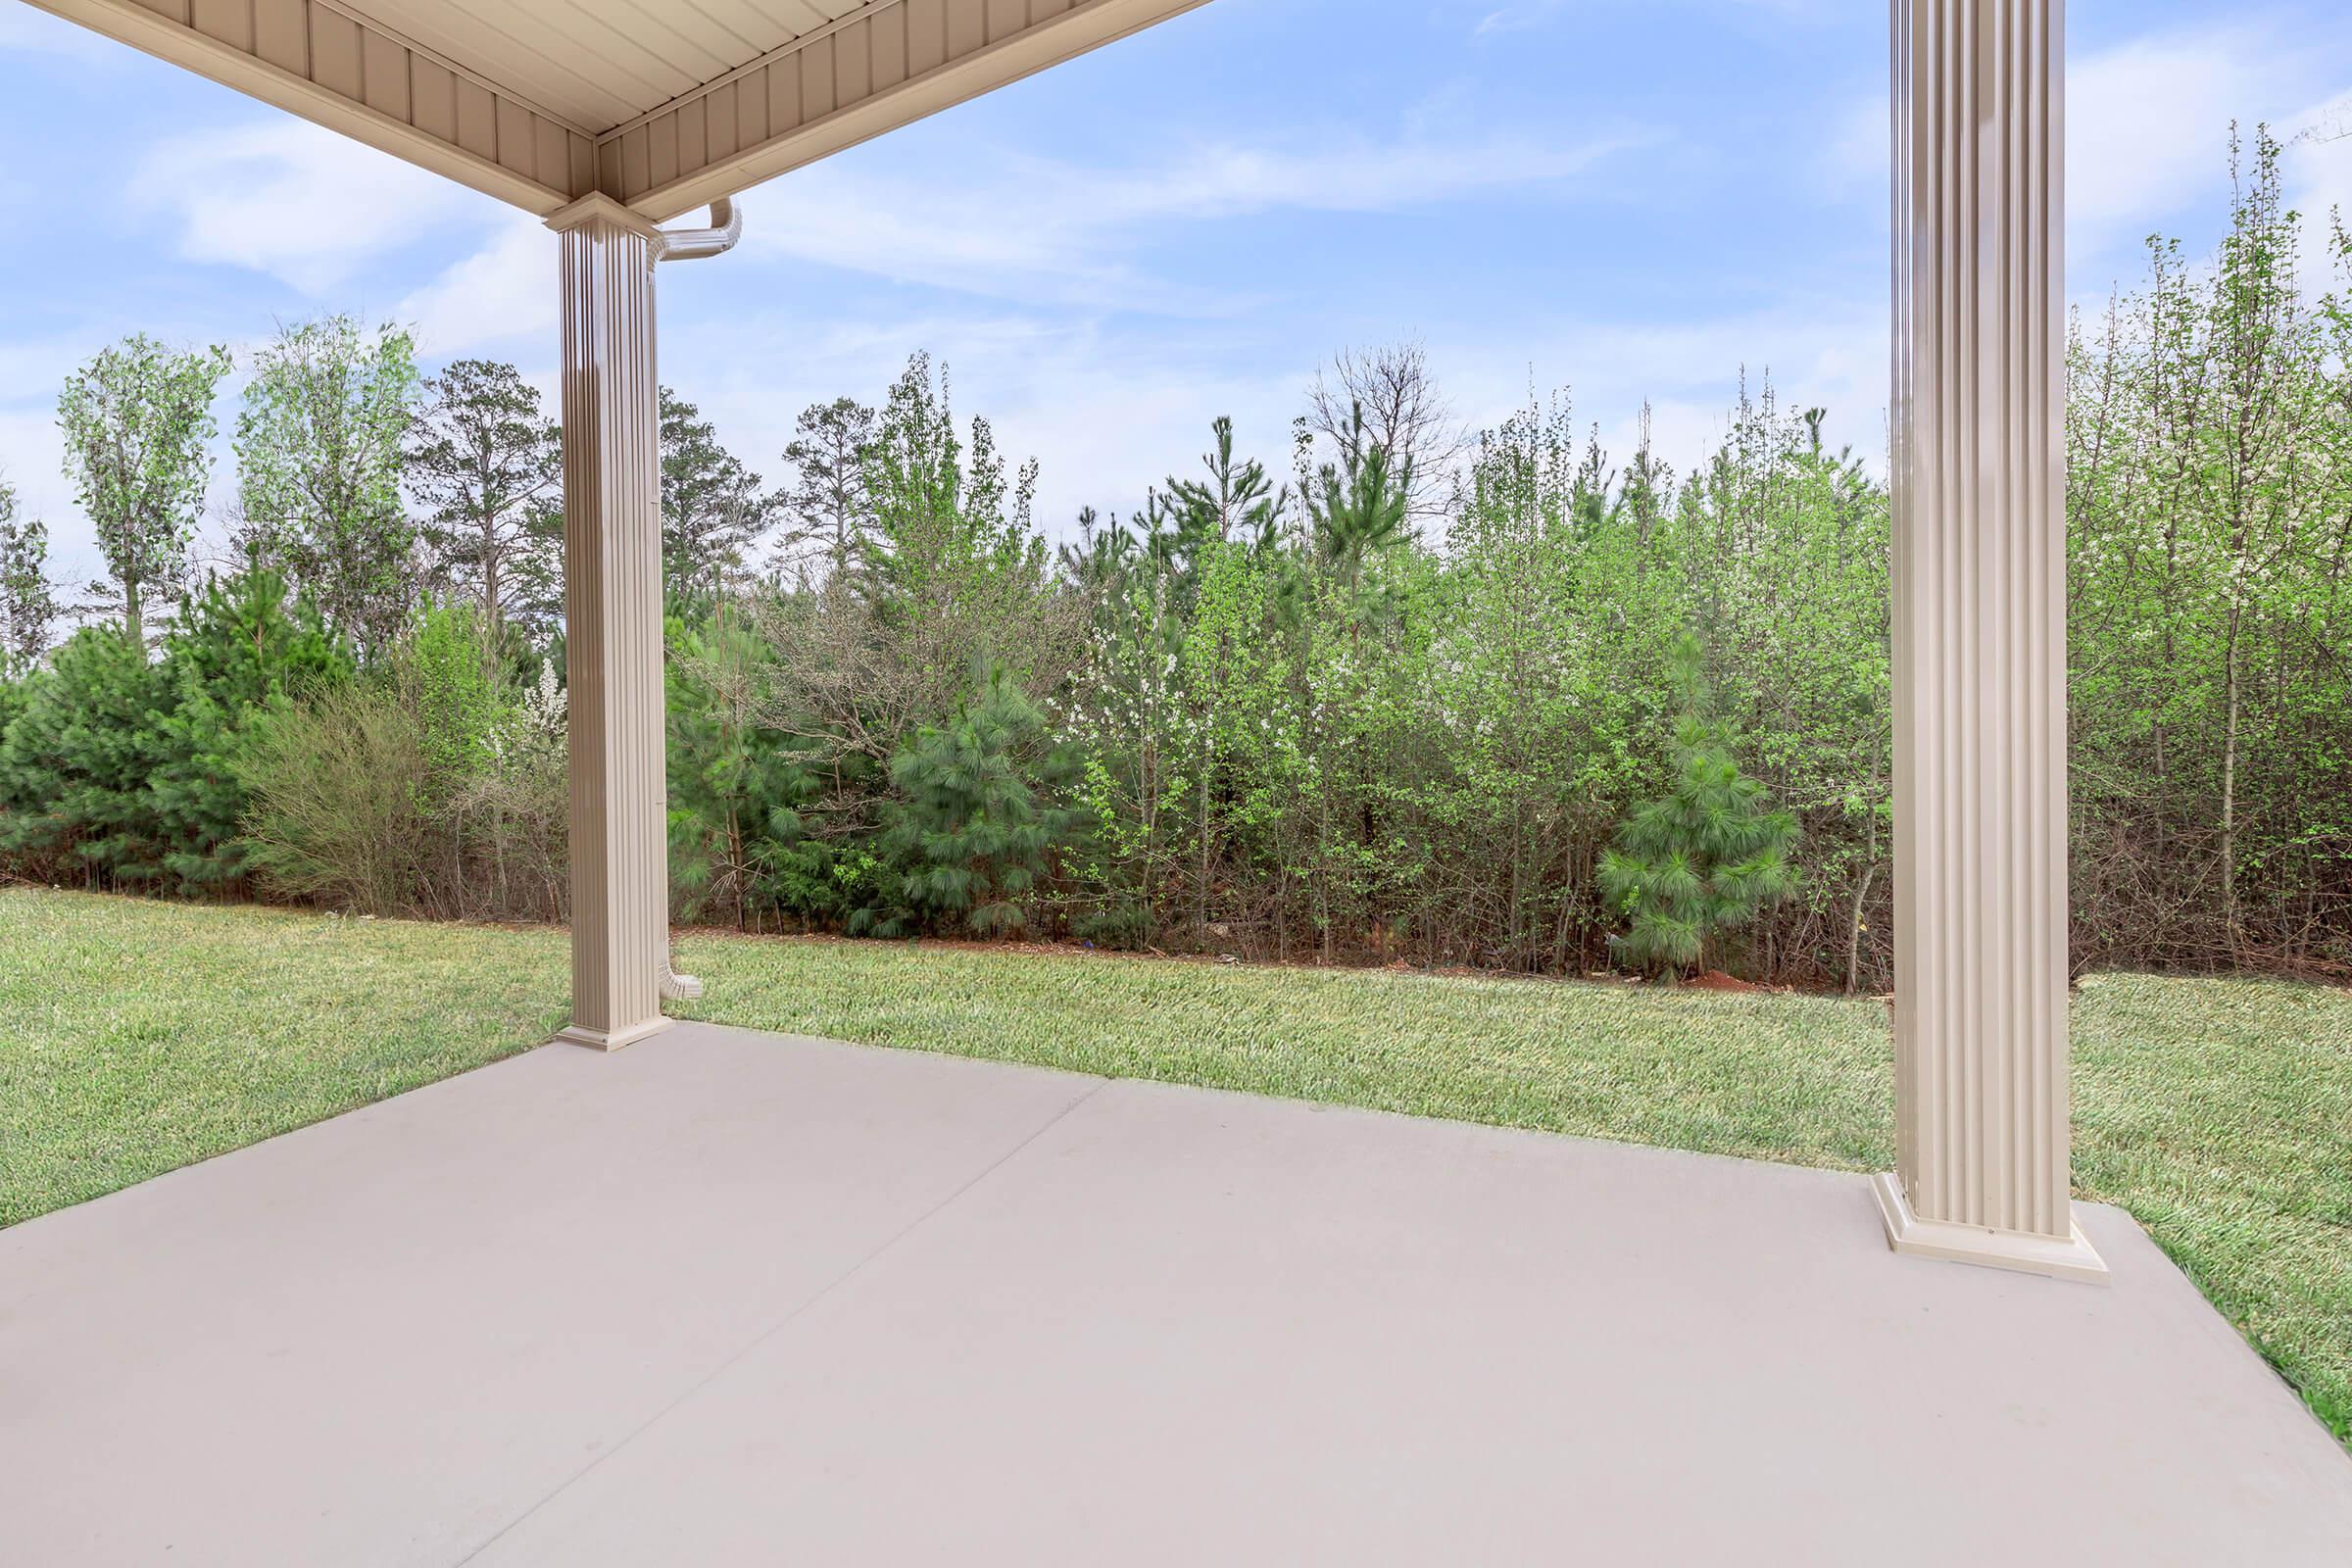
(236, 653)
(737, 786)
(336, 813)
(76, 764)
(1707, 855)
(969, 839)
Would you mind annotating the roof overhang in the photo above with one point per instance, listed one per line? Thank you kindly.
(540, 102)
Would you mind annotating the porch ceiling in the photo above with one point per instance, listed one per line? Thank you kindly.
(663, 107)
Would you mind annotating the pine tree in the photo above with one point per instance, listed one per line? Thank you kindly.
(714, 511)
(237, 652)
(1705, 856)
(1237, 502)
(828, 504)
(76, 761)
(1360, 508)
(488, 465)
(974, 826)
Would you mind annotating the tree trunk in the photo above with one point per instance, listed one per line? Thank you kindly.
(2231, 925)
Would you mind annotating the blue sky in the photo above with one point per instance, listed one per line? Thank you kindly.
(1629, 198)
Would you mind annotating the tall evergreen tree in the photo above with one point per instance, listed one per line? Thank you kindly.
(828, 505)
(487, 465)
(78, 759)
(1359, 507)
(714, 512)
(975, 821)
(1236, 504)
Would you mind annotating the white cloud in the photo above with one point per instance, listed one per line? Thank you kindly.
(34, 470)
(503, 292)
(1050, 231)
(1518, 18)
(286, 198)
(2146, 121)
(2317, 170)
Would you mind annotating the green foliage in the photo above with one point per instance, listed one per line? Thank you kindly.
(487, 464)
(76, 760)
(336, 812)
(235, 654)
(1703, 857)
(1236, 504)
(1406, 707)
(433, 784)
(712, 509)
(27, 606)
(2210, 474)
(452, 681)
(739, 846)
(1358, 509)
(138, 422)
(970, 836)
(955, 542)
(320, 463)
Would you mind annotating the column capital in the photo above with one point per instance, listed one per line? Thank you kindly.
(597, 207)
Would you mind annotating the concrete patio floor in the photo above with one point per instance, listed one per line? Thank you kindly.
(732, 1298)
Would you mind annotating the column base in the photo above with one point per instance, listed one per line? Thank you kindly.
(2071, 1257)
(611, 1039)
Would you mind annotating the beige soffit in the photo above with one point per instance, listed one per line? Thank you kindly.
(665, 108)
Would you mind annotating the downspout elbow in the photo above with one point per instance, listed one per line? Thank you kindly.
(693, 244)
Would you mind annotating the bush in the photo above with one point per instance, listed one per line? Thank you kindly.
(235, 654)
(1705, 856)
(737, 786)
(969, 839)
(434, 786)
(76, 766)
(336, 813)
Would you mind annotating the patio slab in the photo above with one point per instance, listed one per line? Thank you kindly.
(733, 1297)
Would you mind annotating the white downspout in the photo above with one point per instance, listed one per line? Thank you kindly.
(692, 245)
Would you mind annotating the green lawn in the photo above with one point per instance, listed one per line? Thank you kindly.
(140, 1036)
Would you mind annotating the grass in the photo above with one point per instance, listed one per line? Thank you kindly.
(139, 1036)
(136, 1037)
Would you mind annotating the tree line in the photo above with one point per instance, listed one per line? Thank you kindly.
(1497, 698)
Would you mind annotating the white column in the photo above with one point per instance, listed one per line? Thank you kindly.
(1980, 639)
(613, 625)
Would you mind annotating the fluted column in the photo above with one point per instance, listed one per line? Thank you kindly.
(613, 624)
(1980, 639)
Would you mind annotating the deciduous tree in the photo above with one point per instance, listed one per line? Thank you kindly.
(138, 422)
(319, 455)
